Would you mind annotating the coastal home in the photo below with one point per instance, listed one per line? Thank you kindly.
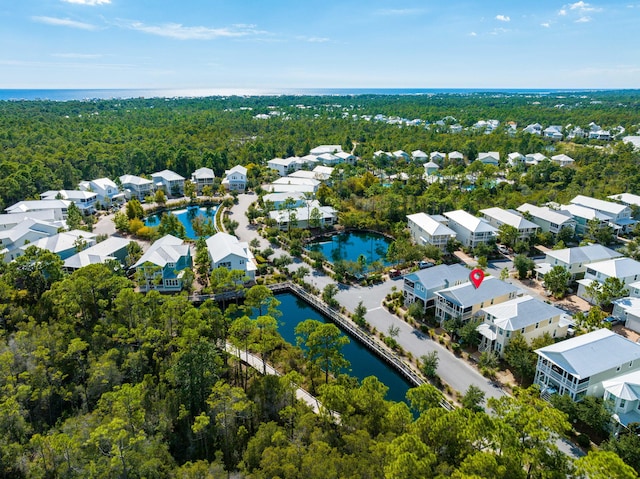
(226, 251)
(583, 215)
(489, 158)
(320, 173)
(421, 286)
(65, 244)
(106, 190)
(618, 214)
(284, 166)
(604, 135)
(329, 159)
(456, 157)
(292, 180)
(136, 187)
(321, 149)
(431, 168)
(498, 217)
(9, 220)
(625, 269)
(24, 233)
(549, 220)
(277, 201)
(84, 200)
(383, 155)
(401, 155)
(344, 157)
(162, 266)
(203, 177)
(57, 207)
(311, 215)
(515, 158)
(465, 301)
(470, 231)
(169, 181)
(562, 160)
(425, 230)
(533, 159)
(622, 394)
(626, 199)
(525, 316)
(112, 248)
(437, 157)
(235, 179)
(575, 132)
(553, 132)
(419, 155)
(627, 310)
(575, 260)
(533, 129)
(579, 366)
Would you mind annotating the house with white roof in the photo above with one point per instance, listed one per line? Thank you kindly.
(562, 160)
(401, 155)
(112, 248)
(533, 159)
(549, 220)
(425, 230)
(321, 149)
(525, 316)
(470, 230)
(292, 180)
(136, 187)
(58, 207)
(24, 233)
(107, 191)
(498, 217)
(431, 168)
(465, 301)
(618, 214)
(382, 154)
(489, 158)
(421, 286)
(225, 251)
(579, 366)
(171, 182)
(66, 243)
(284, 166)
(310, 215)
(628, 199)
(203, 177)
(276, 201)
(628, 310)
(553, 132)
(419, 155)
(84, 200)
(604, 135)
(583, 215)
(162, 266)
(344, 157)
(437, 157)
(515, 158)
(456, 156)
(625, 269)
(533, 129)
(9, 220)
(575, 260)
(235, 179)
(622, 394)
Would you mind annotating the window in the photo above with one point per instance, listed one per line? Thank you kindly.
(622, 402)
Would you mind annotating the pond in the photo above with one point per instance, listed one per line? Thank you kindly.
(364, 363)
(349, 246)
(186, 216)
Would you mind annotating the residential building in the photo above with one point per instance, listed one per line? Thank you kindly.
(431, 168)
(112, 248)
(344, 157)
(225, 251)
(310, 215)
(276, 201)
(162, 266)
(321, 149)
(169, 181)
(549, 220)
(419, 155)
(65, 244)
(106, 190)
(622, 394)
(84, 200)
(489, 158)
(626, 199)
(625, 269)
(136, 187)
(562, 160)
(515, 158)
(422, 285)
(533, 159)
(456, 156)
(583, 215)
(575, 260)
(470, 231)
(553, 132)
(58, 207)
(9, 220)
(425, 230)
(24, 233)
(498, 217)
(533, 129)
(437, 157)
(284, 166)
(465, 301)
(401, 155)
(628, 311)
(525, 316)
(235, 179)
(580, 365)
(203, 177)
(618, 214)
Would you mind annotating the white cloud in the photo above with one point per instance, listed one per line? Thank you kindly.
(473, 34)
(64, 22)
(545, 25)
(583, 20)
(499, 31)
(562, 12)
(182, 32)
(583, 7)
(92, 3)
(313, 39)
(503, 18)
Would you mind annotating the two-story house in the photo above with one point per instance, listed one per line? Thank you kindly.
(575, 260)
(112, 248)
(548, 220)
(525, 316)
(106, 190)
(227, 251)
(235, 179)
(284, 166)
(498, 217)
(66, 243)
(162, 266)
(583, 216)
(618, 214)
(203, 177)
(425, 230)
(421, 286)
(625, 269)
(309, 215)
(171, 182)
(84, 200)
(622, 394)
(579, 366)
(24, 233)
(470, 231)
(57, 207)
(136, 187)
(465, 301)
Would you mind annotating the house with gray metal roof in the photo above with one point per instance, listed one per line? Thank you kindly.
(575, 260)
(470, 230)
(425, 230)
(421, 286)
(498, 217)
(162, 266)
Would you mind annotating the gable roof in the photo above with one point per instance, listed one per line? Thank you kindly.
(418, 154)
(431, 226)
(583, 254)
(441, 276)
(584, 212)
(167, 249)
(626, 198)
(134, 180)
(466, 294)
(617, 267)
(320, 149)
(456, 155)
(62, 241)
(221, 245)
(236, 169)
(509, 218)
(591, 353)
(203, 173)
(545, 213)
(470, 222)
(167, 175)
(521, 312)
(601, 205)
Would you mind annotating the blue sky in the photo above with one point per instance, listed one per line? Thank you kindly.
(262, 44)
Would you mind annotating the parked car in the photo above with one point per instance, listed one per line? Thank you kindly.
(425, 264)
(503, 249)
(612, 321)
(395, 273)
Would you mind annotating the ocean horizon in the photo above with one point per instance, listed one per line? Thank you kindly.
(128, 93)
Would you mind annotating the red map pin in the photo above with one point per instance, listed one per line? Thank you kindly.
(476, 276)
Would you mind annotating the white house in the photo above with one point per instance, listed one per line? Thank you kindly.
(58, 207)
(431, 168)
(169, 181)
(419, 155)
(24, 233)
(321, 149)
(162, 266)
(549, 220)
(9, 220)
(625, 269)
(106, 190)
(579, 366)
(312, 214)
(294, 181)
(498, 217)
(136, 187)
(344, 157)
(437, 157)
(575, 260)
(284, 166)
(533, 159)
(626, 199)
(227, 252)
(401, 155)
(84, 200)
(421, 286)
(470, 231)
(277, 201)
(617, 213)
(562, 160)
(456, 156)
(553, 132)
(66, 243)
(622, 394)
(203, 177)
(628, 310)
(583, 215)
(235, 179)
(112, 248)
(489, 158)
(533, 129)
(515, 158)
(425, 230)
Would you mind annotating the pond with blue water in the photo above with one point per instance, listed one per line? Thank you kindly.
(364, 362)
(349, 246)
(186, 216)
